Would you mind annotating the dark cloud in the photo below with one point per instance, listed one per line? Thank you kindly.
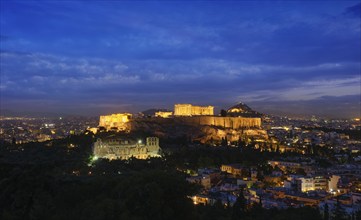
(326, 106)
(109, 55)
(78, 82)
(353, 10)
(4, 37)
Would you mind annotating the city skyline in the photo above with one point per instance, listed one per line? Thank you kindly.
(90, 58)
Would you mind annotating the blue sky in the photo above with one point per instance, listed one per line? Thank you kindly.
(96, 57)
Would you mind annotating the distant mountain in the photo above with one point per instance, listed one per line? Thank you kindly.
(7, 112)
(242, 110)
(11, 113)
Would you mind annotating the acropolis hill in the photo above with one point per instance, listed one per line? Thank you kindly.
(196, 122)
(201, 128)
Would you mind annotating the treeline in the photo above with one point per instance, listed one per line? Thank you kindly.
(237, 212)
(36, 192)
(154, 194)
(194, 157)
(53, 181)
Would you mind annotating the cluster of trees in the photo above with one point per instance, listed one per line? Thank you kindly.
(51, 180)
(208, 156)
(35, 193)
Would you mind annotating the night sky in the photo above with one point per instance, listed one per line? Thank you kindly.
(97, 57)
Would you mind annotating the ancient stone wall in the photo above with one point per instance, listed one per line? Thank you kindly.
(201, 128)
(224, 122)
(189, 110)
(115, 120)
(115, 149)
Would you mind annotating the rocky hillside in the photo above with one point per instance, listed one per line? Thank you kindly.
(242, 110)
(181, 127)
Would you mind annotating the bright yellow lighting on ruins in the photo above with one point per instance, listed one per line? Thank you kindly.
(190, 110)
(117, 121)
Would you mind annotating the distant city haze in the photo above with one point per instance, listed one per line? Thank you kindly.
(93, 58)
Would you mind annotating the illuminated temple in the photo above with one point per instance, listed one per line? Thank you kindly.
(117, 121)
(163, 114)
(192, 110)
(115, 148)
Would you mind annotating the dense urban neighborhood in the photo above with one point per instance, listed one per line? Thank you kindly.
(283, 167)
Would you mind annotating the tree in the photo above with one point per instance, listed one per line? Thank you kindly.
(257, 212)
(239, 207)
(224, 141)
(326, 214)
(358, 214)
(278, 149)
(223, 113)
(339, 212)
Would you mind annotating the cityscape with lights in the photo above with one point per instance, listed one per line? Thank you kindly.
(204, 110)
(238, 156)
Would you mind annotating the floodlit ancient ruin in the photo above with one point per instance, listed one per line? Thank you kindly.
(191, 110)
(115, 121)
(115, 148)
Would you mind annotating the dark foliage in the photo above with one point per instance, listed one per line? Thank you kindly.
(53, 181)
